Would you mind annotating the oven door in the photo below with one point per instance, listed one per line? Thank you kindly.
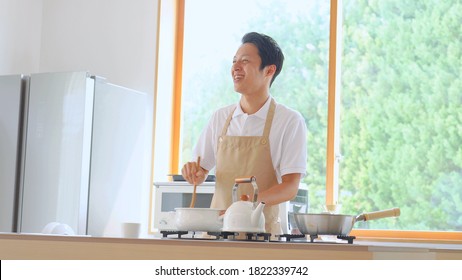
(170, 195)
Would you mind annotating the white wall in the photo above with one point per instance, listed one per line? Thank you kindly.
(20, 35)
(115, 39)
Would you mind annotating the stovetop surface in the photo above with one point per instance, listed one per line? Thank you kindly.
(257, 237)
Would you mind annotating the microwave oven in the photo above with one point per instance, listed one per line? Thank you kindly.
(170, 195)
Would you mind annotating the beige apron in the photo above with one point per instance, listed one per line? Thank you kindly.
(245, 156)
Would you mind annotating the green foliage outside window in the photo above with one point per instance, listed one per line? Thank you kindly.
(401, 120)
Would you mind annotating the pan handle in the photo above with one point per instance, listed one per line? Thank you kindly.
(393, 212)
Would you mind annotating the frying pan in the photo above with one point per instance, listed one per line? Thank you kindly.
(334, 224)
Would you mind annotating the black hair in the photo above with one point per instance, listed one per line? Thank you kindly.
(268, 49)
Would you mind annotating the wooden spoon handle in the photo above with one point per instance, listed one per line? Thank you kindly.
(193, 199)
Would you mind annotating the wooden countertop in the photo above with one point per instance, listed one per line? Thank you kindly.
(29, 246)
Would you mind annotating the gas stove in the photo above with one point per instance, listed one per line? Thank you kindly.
(252, 236)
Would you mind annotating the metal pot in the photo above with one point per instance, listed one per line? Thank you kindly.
(334, 224)
(198, 219)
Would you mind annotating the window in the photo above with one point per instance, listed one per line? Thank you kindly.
(397, 92)
(210, 41)
(401, 116)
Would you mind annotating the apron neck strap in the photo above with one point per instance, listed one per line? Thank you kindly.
(228, 121)
(269, 118)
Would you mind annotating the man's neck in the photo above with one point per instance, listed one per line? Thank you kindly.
(251, 104)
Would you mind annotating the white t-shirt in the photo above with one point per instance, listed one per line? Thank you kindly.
(287, 136)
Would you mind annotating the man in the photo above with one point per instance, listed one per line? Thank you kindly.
(256, 137)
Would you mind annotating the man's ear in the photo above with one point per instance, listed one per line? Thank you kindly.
(270, 69)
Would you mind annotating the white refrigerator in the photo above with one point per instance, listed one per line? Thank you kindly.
(12, 93)
(86, 155)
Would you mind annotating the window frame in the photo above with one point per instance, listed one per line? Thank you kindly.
(334, 91)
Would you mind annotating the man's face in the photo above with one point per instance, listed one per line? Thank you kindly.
(246, 73)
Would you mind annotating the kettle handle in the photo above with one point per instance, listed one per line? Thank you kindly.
(252, 180)
(245, 180)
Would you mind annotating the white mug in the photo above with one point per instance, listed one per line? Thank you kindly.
(131, 230)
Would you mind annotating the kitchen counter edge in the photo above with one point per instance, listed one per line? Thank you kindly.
(32, 246)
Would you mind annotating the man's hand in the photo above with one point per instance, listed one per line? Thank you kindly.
(193, 173)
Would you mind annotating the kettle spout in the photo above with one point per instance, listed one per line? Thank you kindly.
(257, 214)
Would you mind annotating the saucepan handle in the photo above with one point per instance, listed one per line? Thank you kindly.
(394, 212)
(244, 180)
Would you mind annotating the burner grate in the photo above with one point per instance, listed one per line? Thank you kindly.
(342, 237)
(289, 236)
(293, 237)
(166, 233)
(222, 234)
(252, 236)
(349, 238)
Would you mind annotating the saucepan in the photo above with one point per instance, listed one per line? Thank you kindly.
(198, 219)
(335, 224)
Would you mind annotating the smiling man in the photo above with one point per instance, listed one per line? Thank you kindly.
(256, 137)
